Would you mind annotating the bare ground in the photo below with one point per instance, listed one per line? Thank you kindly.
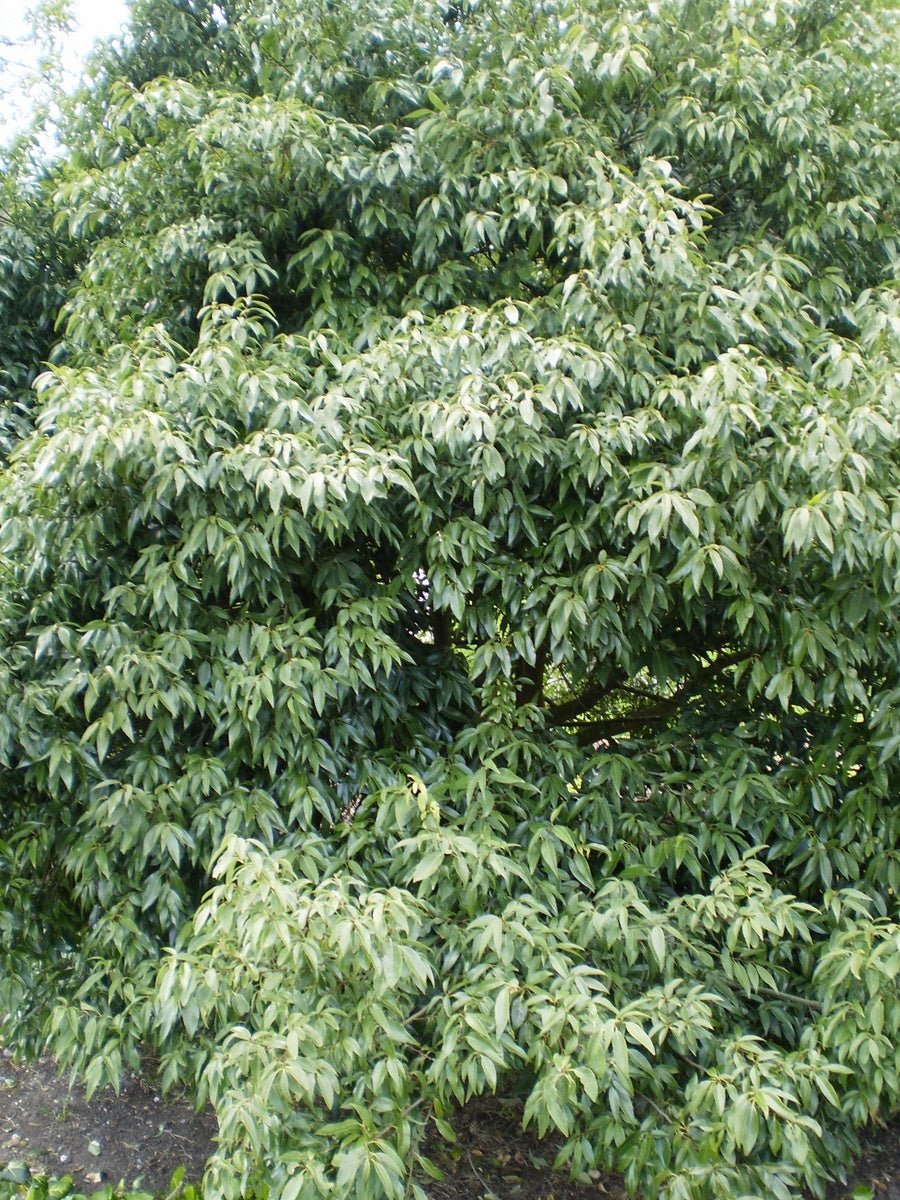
(139, 1137)
(136, 1136)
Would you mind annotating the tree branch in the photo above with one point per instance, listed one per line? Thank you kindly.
(650, 714)
(532, 689)
(565, 713)
(441, 629)
(790, 998)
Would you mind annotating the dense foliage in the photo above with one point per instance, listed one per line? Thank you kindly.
(449, 583)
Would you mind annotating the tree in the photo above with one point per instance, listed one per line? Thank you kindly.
(31, 70)
(449, 593)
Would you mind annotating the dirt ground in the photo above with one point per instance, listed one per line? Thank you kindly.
(494, 1159)
(139, 1137)
(135, 1136)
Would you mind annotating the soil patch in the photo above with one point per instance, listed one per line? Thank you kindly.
(140, 1138)
(495, 1159)
(136, 1137)
(878, 1169)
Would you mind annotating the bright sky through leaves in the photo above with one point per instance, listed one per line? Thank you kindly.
(19, 62)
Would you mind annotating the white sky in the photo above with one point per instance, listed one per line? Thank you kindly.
(92, 18)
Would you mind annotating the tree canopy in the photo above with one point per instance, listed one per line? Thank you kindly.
(449, 579)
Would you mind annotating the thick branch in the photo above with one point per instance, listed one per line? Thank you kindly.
(661, 708)
(531, 690)
(584, 702)
(442, 629)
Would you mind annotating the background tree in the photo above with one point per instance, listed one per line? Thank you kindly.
(449, 594)
(31, 69)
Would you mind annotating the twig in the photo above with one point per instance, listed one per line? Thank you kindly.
(487, 1186)
(659, 1111)
(774, 994)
